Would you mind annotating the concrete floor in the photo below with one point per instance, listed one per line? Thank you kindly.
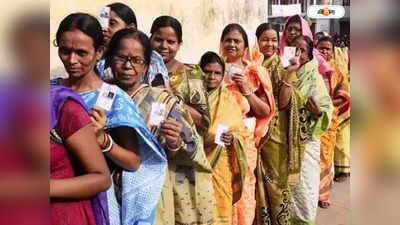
(339, 211)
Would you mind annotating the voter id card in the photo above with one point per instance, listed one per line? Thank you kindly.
(106, 96)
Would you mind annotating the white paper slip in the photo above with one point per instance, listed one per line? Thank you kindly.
(106, 96)
(250, 123)
(288, 53)
(233, 70)
(220, 130)
(103, 16)
(157, 114)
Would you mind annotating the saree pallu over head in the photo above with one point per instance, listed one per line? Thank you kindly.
(260, 84)
(323, 67)
(58, 96)
(141, 189)
(225, 110)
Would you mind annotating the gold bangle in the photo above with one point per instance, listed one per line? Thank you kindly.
(248, 93)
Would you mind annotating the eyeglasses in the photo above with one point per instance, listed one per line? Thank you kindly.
(134, 61)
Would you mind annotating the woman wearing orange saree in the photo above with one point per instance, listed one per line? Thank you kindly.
(252, 88)
(339, 93)
(228, 161)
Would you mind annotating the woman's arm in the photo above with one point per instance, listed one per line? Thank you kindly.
(285, 90)
(196, 116)
(126, 153)
(84, 147)
(259, 105)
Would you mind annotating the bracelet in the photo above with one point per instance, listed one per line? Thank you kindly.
(286, 84)
(176, 149)
(248, 93)
(105, 141)
(110, 146)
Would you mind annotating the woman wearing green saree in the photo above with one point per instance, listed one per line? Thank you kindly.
(187, 196)
(228, 161)
(278, 163)
(319, 108)
(186, 81)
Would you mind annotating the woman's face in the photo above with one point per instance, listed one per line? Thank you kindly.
(326, 48)
(165, 42)
(128, 63)
(268, 43)
(115, 24)
(304, 51)
(233, 46)
(293, 30)
(77, 53)
(213, 73)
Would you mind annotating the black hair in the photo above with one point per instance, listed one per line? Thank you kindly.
(266, 26)
(235, 26)
(124, 12)
(167, 21)
(309, 43)
(128, 33)
(83, 22)
(325, 38)
(294, 19)
(211, 57)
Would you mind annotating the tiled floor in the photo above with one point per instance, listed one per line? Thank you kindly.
(339, 211)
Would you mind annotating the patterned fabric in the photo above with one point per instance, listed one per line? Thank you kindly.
(323, 67)
(340, 89)
(58, 96)
(286, 135)
(72, 116)
(156, 71)
(190, 159)
(141, 189)
(188, 86)
(305, 195)
(261, 85)
(229, 165)
(310, 83)
(342, 147)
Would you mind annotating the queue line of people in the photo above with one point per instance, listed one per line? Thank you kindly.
(280, 123)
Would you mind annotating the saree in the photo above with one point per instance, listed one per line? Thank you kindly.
(340, 89)
(323, 67)
(342, 147)
(229, 164)
(97, 212)
(280, 151)
(187, 196)
(188, 85)
(141, 189)
(260, 83)
(305, 194)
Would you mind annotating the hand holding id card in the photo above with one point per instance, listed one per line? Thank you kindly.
(288, 53)
(157, 114)
(220, 130)
(234, 70)
(106, 96)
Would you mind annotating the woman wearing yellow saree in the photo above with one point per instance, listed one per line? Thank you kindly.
(187, 196)
(251, 86)
(275, 164)
(229, 161)
(339, 92)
